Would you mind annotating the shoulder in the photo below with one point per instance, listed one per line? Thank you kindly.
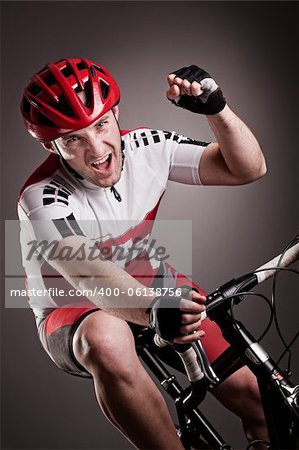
(42, 173)
(145, 136)
(46, 187)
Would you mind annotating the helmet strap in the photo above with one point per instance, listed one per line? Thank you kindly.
(66, 164)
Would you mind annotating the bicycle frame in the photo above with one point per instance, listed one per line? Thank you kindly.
(193, 424)
(277, 392)
(280, 398)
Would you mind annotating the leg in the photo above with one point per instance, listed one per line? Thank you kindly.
(105, 346)
(240, 394)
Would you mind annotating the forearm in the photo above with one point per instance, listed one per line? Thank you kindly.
(238, 146)
(98, 277)
(129, 298)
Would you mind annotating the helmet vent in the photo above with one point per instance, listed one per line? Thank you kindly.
(104, 89)
(99, 69)
(26, 106)
(67, 71)
(86, 99)
(81, 66)
(45, 121)
(34, 89)
(48, 78)
(62, 106)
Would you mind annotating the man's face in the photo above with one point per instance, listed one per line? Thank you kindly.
(95, 151)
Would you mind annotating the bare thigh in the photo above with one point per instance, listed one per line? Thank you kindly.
(104, 344)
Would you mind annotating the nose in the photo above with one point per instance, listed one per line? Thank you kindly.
(94, 145)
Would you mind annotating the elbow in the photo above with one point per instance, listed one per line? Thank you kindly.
(258, 172)
(261, 170)
(261, 167)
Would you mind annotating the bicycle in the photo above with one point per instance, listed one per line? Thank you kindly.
(280, 397)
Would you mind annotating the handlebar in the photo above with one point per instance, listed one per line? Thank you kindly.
(194, 356)
(250, 280)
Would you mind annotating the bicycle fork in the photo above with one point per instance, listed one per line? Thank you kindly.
(279, 397)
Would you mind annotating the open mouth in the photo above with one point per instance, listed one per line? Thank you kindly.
(102, 165)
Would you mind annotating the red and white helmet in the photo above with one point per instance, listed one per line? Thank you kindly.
(51, 105)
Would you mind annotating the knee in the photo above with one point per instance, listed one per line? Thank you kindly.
(240, 393)
(105, 346)
(250, 404)
(252, 412)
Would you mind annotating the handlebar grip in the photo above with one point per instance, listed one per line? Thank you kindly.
(289, 256)
(188, 356)
(195, 360)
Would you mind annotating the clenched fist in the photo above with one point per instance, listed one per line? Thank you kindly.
(194, 89)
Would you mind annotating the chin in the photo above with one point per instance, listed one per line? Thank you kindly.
(111, 181)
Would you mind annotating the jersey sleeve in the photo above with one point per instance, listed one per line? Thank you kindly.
(171, 155)
(185, 158)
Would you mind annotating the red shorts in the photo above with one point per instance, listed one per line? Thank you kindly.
(56, 333)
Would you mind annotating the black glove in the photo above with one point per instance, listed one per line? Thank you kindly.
(165, 316)
(210, 102)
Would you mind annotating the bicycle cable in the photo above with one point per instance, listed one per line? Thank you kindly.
(288, 347)
(261, 295)
(264, 297)
(277, 269)
(273, 301)
(252, 294)
(271, 306)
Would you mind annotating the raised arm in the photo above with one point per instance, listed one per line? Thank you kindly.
(236, 158)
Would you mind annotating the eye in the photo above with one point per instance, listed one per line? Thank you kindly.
(101, 124)
(71, 139)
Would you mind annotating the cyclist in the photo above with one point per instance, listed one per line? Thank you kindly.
(96, 179)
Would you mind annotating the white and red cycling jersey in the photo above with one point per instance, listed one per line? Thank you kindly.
(55, 203)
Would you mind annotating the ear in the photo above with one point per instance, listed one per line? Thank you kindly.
(48, 146)
(115, 111)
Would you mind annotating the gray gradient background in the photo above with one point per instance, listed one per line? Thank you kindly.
(251, 49)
